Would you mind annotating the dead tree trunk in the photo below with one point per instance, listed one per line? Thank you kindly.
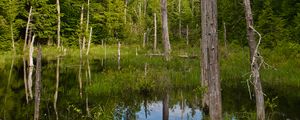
(27, 28)
(58, 23)
(165, 31)
(38, 85)
(255, 76)
(204, 53)
(56, 88)
(12, 37)
(166, 106)
(210, 64)
(155, 33)
(25, 78)
(81, 31)
(89, 43)
(144, 40)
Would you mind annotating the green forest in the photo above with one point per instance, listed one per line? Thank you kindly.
(150, 59)
(128, 20)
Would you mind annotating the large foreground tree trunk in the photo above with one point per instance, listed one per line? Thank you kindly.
(38, 85)
(260, 108)
(210, 63)
(165, 32)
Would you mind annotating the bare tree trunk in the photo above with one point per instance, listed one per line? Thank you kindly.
(79, 78)
(89, 43)
(56, 88)
(166, 106)
(12, 36)
(27, 27)
(204, 53)
(210, 40)
(81, 31)
(165, 32)
(119, 55)
(31, 49)
(87, 26)
(155, 33)
(25, 78)
(187, 34)
(58, 23)
(260, 108)
(38, 85)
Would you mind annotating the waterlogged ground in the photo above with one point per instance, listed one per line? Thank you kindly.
(145, 88)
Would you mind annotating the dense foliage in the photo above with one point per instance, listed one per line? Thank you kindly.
(128, 20)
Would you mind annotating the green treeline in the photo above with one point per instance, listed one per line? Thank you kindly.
(130, 21)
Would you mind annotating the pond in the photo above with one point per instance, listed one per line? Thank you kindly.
(144, 88)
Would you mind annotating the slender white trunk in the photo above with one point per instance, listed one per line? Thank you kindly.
(27, 28)
(25, 79)
(56, 88)
(89, 43)
(58, 23)
(12, 36)
(81, 31)
(31, 49)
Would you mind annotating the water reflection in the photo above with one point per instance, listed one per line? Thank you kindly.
(154, 111)
(102, 97)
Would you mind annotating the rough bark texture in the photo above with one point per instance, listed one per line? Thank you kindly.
(58, 23)
(27, 28)
(155, 33)
(38, 85)
(165, 32)
(260, 108)
(210, 62)
(204, 53)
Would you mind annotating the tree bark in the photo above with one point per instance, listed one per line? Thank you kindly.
(165, 32)
(31, 49)
(260, 108)
(81, 31)
(210, 62)
(38, 85)
(27, 28)
(166, 106)
(89, 43)
(155, 33)
(25, 78)
(56, 88)
(204, 53)
(12, 37)
(58, 23)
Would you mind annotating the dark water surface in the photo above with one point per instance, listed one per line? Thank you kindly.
(96, 89)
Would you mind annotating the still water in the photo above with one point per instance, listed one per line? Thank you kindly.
(95, 89)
